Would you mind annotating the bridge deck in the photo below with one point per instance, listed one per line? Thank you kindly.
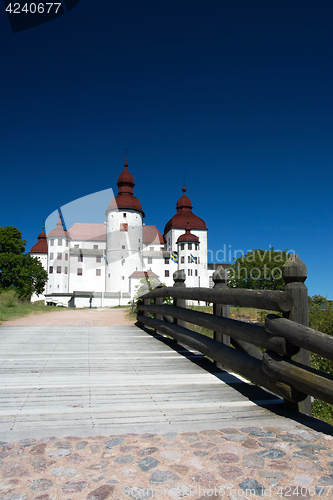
(90, 381)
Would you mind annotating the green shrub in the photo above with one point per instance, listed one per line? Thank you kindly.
(9, 298)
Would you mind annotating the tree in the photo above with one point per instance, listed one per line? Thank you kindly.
(258, 270)
(19, 271)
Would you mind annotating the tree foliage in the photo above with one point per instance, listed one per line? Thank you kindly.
(19, 271)
(258, 270)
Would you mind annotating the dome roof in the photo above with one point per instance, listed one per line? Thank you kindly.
(59, 231)
(184, 217)
(125, 198)
(184, 201)
(41, 245)
(188, 236)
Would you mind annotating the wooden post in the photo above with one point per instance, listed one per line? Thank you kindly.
(146, 302)
(220, 277)
(158, 301)
(294, 273)
(179, 282)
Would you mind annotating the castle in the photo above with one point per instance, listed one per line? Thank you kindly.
(107, 262)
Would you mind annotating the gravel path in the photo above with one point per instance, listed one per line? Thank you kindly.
(74, 317)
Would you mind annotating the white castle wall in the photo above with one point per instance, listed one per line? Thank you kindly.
(123, 244)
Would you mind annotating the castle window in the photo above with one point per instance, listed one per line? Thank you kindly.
(79, 271)
(196, 272)
(123, 227)
(166, 261)
(166, 274)
(95, 247)
(51, 270)
(52, 243)
(123, 247)
(182, 246)
(139, 240)
(98, 259)
(198, 260)
(59, 256)
(190, 246)
(109, 275)
(66, 270)
(60, 242)
(66, 256)
(51, 256)
(124, 214)
(151, 249)
(182, 260)
(189, 272)
(189, 260)
(67, 243)
(80, 258)
(58, 269)
(150, 260)
(123, 277)
(98, 272)
(76, 246)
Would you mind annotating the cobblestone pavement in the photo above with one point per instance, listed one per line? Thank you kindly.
(230, 464)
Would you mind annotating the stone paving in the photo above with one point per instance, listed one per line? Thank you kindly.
(223, 464)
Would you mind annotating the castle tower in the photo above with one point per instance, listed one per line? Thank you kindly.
(40, 251)
(182, 221)
(58, 260)
(188, 245)
(124, 238)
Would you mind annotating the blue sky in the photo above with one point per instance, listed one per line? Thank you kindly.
(237, 96)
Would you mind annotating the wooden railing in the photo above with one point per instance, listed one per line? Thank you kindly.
(282, 364)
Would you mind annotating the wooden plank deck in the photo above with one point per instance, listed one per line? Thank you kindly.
(104, 380)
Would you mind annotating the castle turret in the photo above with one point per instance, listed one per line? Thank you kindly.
(124, 238)
(58, 259)
(39, 250)
(188, 245)
(186, 220)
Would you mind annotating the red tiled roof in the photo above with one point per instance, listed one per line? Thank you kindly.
(125, 198)
(184, 217)
(152, 235)
(143, 274)
(88, 232)
(188, 236)
(59, 230)
(41, 245)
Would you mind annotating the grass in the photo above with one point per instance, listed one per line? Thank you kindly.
(13, 308)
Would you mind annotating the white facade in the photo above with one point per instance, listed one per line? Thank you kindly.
(108, 261)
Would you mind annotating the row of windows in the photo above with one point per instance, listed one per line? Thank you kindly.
(59, 242)
(80, 257)
(79, 271)
(189, 246)
(59, 256)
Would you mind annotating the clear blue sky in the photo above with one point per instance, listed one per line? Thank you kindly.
(237, 95)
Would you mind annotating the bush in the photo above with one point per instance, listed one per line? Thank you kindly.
(9, 298)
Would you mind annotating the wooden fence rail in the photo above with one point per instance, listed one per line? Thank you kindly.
(284, 367)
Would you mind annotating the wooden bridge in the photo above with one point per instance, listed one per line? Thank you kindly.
(102, 380)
